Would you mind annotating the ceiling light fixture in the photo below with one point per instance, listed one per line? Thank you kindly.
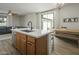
(60, 5)
(10, 12)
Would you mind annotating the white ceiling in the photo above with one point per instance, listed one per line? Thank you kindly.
(23, 8)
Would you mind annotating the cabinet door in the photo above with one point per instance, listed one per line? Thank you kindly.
(30, 46)
(41, 45)
(23, 44)
(18, 41)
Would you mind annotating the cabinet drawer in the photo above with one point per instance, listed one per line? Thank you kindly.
(31, 39)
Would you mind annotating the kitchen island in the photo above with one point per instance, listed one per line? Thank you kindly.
(35, 42)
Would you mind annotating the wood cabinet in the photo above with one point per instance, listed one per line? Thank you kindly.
(41, 46)
(18, 46)
(30, 45)
(21, 42)
(30, 48)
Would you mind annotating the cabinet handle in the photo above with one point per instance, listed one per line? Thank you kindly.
(29, 43)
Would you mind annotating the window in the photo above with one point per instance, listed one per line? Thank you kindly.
(47, 21)
(3, 20)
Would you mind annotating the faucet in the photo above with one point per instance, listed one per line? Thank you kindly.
(30, 24)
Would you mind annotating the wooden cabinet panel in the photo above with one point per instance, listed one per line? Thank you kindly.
(41, 46)
(23, 44)
(31, 39)
(30, 48)
(18, 41)
(23, 48)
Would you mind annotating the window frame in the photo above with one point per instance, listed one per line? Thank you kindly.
(3, 21)
(52, 20)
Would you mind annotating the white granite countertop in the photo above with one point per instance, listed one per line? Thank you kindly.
(35, 32)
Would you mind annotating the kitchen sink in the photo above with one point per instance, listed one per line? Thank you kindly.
(27, 30)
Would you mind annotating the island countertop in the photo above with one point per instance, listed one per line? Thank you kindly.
(37, 33)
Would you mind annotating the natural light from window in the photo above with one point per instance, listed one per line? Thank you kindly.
(47, 21)
(3, 21)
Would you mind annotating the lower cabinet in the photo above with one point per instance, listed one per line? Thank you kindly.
(18, 40)
(28, 45)
(21, 42)
(30, 48)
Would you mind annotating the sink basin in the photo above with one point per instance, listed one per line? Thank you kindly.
(27, 30)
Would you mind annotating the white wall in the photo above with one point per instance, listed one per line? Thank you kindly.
(69, 11)
(38, 22)
(13, 20)
(56, 18)
(22, 20)
(16, 20)
(9, 20)
(29, 17)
